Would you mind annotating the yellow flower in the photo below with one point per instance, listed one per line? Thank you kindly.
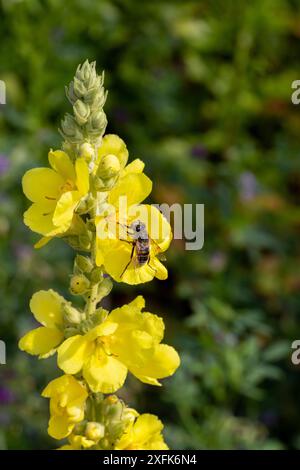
(67, 400)
(144, 434)
(55, 193)
(117, 249)
(112, 145)
(46, 307)
(127, 340)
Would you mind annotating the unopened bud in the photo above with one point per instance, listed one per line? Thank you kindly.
(70, 331)
(98, 121)
(78, 88)
(71, 314)
(70, 130)
(96, 275)
(79, 284)
(104, 288)
(99, 316)
(109, 166)
(81, 112)
(68, 125)
(83, 263)
(84, 242)
(104, 443)
(94, 431)
(86, 151)
(114, 411)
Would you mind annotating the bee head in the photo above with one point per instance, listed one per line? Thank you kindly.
(138, 226)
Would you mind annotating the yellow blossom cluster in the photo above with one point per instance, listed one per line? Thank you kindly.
(92, 199)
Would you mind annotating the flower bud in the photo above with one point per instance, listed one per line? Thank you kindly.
(83, 206)
(105, 444)
(70, 331)
(86, 151)
(68, 125)
(109, 166)
(98, 184)
(96, 275)
(114, 411)
(78, 88)
(81, 112)
(104, 288)
(97, 123)
(94, 431)
(83, 263)
(99, 316)
(70, 130)
(71, 314)
(84, 242)
(79, 284)
(95, 96)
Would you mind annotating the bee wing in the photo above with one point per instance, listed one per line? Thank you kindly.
(154, 243)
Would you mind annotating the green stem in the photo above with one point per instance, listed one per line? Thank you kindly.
(92, 299)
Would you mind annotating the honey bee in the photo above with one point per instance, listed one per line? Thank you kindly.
(141, 245)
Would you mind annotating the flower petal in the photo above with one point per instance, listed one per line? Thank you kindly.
(59, 427)
(104, 329)
(72, 353)
(62, 164)
(132, 188)
(39, 217)
(67, 385)
(46, 306)
(41, 340)
(82, 176)
(104, 373)
(146, 426)
(41, 184)
(136, 166)
(160, 363)
(147, 430)
(159, 269)
(65, 207)
(42, 242)
(121, 263)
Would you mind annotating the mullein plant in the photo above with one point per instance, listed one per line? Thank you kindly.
(80, 198)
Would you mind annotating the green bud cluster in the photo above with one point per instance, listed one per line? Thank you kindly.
(93, 320)
(113, 417)
(87, 124)
(85, 275)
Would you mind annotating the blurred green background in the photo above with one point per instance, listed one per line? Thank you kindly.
(201, 91)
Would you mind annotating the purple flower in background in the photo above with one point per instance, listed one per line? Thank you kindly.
(269, 418)
(248, 186)
(6, 396)
(22, 251)
(199, 151)
(4, 164)
(218, 261)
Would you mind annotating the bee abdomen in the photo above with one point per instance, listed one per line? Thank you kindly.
(143, 254)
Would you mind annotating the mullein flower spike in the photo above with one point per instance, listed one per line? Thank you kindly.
(81, 200)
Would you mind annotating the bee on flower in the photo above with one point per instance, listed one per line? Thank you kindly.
(131, 237)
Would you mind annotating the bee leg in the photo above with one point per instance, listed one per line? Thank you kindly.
(127, 241)
(131, 256)
(127, 226)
